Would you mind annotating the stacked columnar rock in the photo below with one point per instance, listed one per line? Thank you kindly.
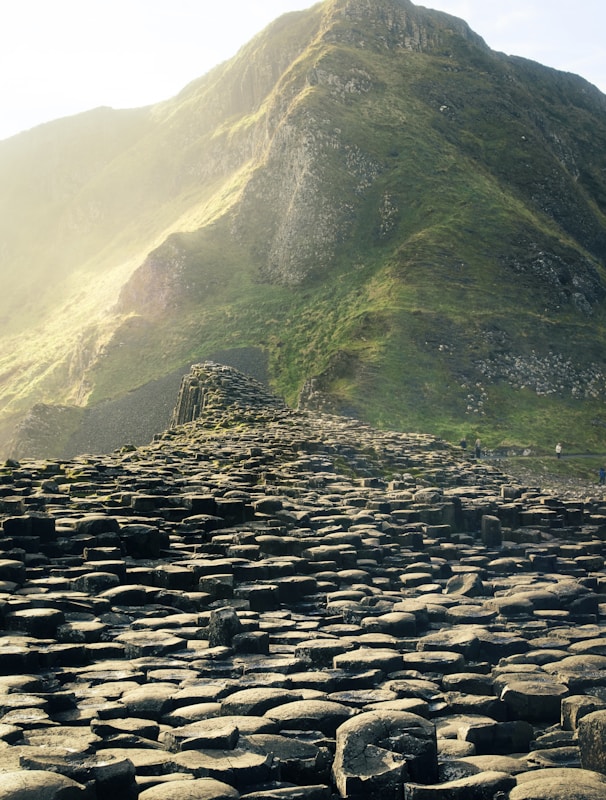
(211, 387)
(270, 604)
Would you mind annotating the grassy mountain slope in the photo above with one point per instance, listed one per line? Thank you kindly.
(88, 197)
(411, 226)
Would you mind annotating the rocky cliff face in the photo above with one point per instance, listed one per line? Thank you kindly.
(211, 387)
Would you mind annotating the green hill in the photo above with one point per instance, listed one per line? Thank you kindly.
(403, 225)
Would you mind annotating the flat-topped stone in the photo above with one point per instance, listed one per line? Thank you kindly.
(387, 660)
(198, 789)
(33, 784)
(378, 750)
(221, 605)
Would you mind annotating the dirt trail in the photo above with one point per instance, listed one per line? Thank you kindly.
(575, 488)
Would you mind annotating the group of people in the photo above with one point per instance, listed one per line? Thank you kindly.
(601, 471)
(477, 447)
(558, 451)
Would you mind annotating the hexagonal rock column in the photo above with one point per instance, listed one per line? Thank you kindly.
(382, 658)
(37, 784)
(534, 701)
(488, 784)
(223, 625)
(592, 741)
(197, 789)
(106, 777)
(491, 531)
(577, 706)
(559, 784)
(39, 622)
(377, 751)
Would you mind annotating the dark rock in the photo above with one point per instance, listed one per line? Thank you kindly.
(534, 701)
(214, 734)
(257, 701)
(440, 661)
(12, 570)
(39, 622)
(377, 752)
(33, 784)
(484, 786)
(223, 625)
(244, 766)
(227, 603)
(300, 762)
(559, 784)
(106, 777)
(491, 531)
(200, 789)
(575, 707)
(310, 715)
(592, 741)
(143, 541)
(152, 701)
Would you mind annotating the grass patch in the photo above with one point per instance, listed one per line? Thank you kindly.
(578, 471)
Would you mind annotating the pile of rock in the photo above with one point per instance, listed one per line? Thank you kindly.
(269, 604)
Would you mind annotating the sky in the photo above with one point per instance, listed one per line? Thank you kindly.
(62, 57)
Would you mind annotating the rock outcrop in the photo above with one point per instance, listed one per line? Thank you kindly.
(273, 604)
(210, 387)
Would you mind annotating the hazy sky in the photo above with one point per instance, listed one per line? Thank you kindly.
(60, 57)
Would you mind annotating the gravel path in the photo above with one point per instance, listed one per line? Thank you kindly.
(570, 488)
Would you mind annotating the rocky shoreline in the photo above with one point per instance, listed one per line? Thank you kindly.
(266, 604)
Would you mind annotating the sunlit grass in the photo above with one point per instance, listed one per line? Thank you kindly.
(395, 326)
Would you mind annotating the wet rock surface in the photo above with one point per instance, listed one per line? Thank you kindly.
(265, 603)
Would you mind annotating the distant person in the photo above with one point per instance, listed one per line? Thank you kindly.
(558, 450)
(463, 445)
(602, 475)
(478, 448)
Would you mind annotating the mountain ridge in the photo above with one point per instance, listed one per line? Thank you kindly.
(401, 219)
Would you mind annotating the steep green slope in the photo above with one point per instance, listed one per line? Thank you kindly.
(411, 226)
(85, 199)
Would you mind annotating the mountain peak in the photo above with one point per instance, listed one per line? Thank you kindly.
(409, 227)
(398, 23)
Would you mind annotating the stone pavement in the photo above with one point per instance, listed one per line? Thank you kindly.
(265, 603)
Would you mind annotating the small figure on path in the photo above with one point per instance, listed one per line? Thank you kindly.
(558, 450)
(463, 445)
(602, 475)
(478, 446)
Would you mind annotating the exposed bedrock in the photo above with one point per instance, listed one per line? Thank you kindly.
(273, 604)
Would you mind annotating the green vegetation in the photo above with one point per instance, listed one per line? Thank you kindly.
(573, 467)
(418, 231)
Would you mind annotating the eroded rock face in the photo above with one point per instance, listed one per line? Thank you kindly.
(267, 603)
(379, 751)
